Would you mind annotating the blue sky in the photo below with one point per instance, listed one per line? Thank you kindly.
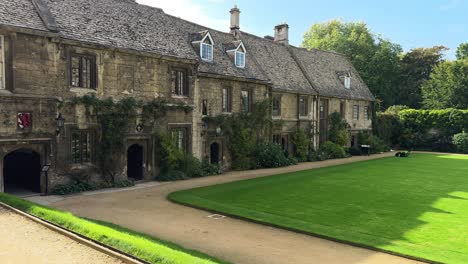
(411, 23)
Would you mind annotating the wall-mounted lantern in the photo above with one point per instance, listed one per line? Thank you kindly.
(218, 130)
(60, 122)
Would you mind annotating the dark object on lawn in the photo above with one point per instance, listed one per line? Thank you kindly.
(366, 149)
(402, 154)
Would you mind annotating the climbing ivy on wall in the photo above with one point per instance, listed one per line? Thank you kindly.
(243, 131)
(114, 118)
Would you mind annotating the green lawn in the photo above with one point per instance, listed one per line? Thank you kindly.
(136, 244)
(416, 206)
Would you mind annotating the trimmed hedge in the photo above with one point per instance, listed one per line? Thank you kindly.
(421, 129)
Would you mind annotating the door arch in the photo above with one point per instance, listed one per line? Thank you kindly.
(135, 162)
(214, 153)
(22, 171)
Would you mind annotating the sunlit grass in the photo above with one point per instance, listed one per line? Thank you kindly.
(414, 206)
(136, 244)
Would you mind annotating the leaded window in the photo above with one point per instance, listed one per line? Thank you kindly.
(206, 51)
(226, 100)
(303, 106)
(81, 146)
(246, 100)
(180, 137)
(83, 71)
(2, 62)
(240, 59)
(276, 108)
(356, 112)
(180, 83)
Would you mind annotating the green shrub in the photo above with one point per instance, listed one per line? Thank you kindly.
(338, 131)
(173, 175)
(124, 183)
(75, 187)
(461, 142)
(209, 169)
(190, 165)
(270, 155)
(377, 144)
(330, 150)
(301, 145)
(166, 152)
(354, 151)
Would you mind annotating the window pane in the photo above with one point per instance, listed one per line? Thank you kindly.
(207, 52)
(75, 147)
(75, 72)
(245, 102)
(205, 107)
(240, 59)
(2, 63)
(276, 105)
(226, 100)
(302, 106)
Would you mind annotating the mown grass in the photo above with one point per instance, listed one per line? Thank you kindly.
(139, 245)
(416, 206)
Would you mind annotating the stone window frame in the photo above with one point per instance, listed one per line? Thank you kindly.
(278, 112)
(204, 107)
(356, 112)
(303, 109)
(2, 63)
(93, 72)
(175, 73)
(188, 134)
(249, 100)
(343, 109)
(366, 112)
(91, 142)
(226, 103)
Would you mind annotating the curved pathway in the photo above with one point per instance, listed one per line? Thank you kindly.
(144, 208)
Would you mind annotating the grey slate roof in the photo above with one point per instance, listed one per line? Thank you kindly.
(128, 25)
(277, 63)
(20, 13)
(324, 68)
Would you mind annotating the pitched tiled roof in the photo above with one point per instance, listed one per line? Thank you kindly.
(20, 13)
(324, 69)
(277, 63)
(128, 25)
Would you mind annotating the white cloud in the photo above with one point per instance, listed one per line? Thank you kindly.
(188, 10)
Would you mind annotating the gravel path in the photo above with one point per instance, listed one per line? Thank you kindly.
(25, 241)
(147, 210)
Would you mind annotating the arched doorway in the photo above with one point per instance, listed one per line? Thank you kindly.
(214, 153)
(135, 162)
(22, 171)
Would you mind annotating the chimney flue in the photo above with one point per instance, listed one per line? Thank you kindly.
(282, 34)
(235, 13)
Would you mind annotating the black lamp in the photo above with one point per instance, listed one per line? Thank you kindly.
(60, 121)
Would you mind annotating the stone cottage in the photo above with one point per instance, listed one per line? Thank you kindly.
(54, 51)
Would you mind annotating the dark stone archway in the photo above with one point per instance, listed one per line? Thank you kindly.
(214, 153)
(22, 171)
(135, 162)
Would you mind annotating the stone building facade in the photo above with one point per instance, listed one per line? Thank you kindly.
(54, 51)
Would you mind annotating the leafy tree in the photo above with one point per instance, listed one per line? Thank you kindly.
(375, 58)
(462, 51)
(447, 86)
(417, 66)
(338, 130)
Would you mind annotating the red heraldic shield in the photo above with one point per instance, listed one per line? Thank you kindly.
(24, 120)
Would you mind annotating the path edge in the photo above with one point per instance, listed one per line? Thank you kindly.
(101, 247)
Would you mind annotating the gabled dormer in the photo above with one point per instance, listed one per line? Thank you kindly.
(236, 51)
(203, 42)
(345, 78)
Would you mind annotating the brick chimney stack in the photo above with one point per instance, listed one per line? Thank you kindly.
(282, 34)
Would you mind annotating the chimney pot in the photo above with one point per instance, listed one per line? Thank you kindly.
(282, 33)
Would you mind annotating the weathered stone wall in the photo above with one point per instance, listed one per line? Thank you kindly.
(39, 83)
(210, 89)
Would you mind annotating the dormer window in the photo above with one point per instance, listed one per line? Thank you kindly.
(240, 59)
(236, 50)
(206, 48)
(347, 82)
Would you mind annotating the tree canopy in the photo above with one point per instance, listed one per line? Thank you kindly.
(462, 51)
(375, 58)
